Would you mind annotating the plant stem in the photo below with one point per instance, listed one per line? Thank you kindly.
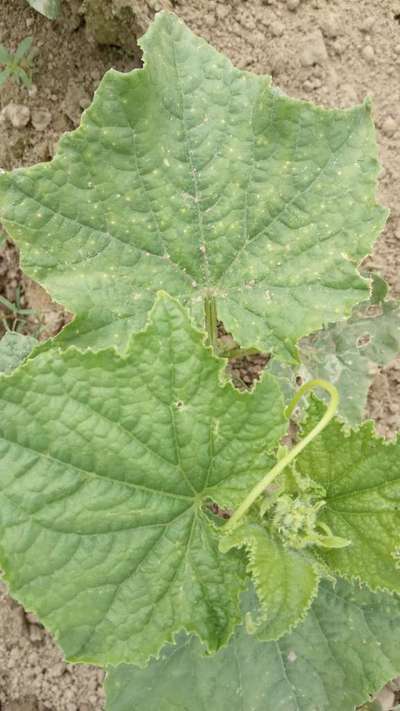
(211, 322)
(283, 463)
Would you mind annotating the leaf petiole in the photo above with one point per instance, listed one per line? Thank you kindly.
(292, 454)
(211, 323)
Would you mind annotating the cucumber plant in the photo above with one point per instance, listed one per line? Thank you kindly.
(150, 514)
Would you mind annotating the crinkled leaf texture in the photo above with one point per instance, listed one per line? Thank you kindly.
(200, 179)
(49, 8)
(14, 348)
(360, 473)
(285, 580)
(348, 354)
(107, 463)
(346, 649)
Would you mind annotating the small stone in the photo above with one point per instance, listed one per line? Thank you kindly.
(332, 76)
(32, 91)
(368, 53)
(277, 62)
(222, 11)
(340, 46)
(395, 683)
(318, 71)
(277, 28)
(248, 22)
(52, 147)
(84, 102)
(349, 94)
(35, 633)
(330, 25)
(368, 24)
(292, 656)
(57, 669)
(17, 114)
(292, 4)
(16, 147)
(95, 74)
(312, 83)
(41, 118)
(314, 51)
(29, 21)
(386, 698)
(75, 99)
(42, 151)
(31, 617)
(389, 126)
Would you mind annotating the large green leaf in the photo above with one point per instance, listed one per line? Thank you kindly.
(197, 178)
(348, 353)
(285, 580)
(14, 348)
(347, 648)
(361, 476)
(107, 465)
(49, 8)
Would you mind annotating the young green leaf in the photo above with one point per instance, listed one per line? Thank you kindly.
(108, 465)
(346, 649)
(23, 49)
(23, 77)
(5, 56)
(285, 580)
(195, 177)
(361, 477)
(348, 353)
(49, 8)
(14, 348)
(5, 75)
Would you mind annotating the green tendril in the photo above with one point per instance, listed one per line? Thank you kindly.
(292, 454)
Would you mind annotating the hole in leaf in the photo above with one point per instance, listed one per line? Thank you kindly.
(217, 511)
(363, 340)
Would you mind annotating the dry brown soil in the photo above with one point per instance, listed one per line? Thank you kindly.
(334, 52)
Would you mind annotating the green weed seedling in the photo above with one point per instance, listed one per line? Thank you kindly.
(17, 66)
(16, 316)
(149, 513)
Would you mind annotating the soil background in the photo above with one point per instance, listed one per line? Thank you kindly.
(334, 52)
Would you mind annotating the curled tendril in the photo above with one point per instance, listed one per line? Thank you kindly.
(292, 454)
